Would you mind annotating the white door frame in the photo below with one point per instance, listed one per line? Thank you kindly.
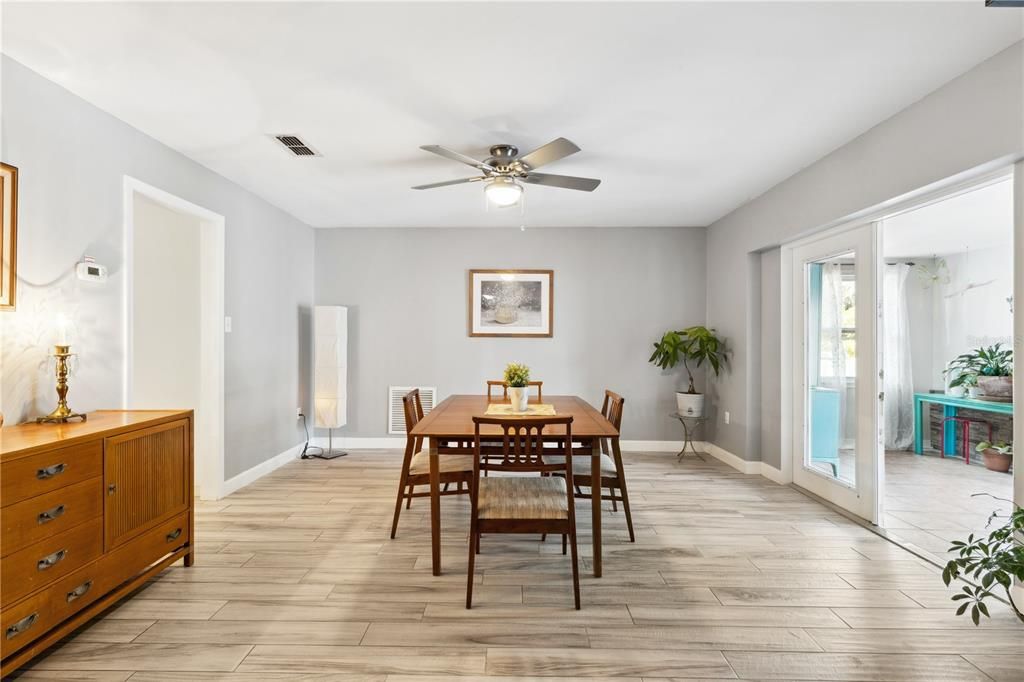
(862, 497)
(963, 182)
(209, 436)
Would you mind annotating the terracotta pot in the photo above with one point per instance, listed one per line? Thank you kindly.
(996, 387)
(996, 461)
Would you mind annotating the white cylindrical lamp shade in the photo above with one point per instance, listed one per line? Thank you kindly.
(330, 360)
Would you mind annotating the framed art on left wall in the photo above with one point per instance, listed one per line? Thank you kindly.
(8, 235)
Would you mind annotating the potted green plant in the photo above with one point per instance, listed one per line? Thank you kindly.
(990, 368)
(990, 562)
(697, 345)
(517, 378)
(997, 456)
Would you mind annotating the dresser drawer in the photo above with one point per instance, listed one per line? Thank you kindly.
(39, 474)
(139, 553)
(46, 515)
(49, 560)
(23, 622)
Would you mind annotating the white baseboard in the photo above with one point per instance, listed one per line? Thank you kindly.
(398, 443)
(260, 470)
(651, 445)
(362, 443)
(742, 465)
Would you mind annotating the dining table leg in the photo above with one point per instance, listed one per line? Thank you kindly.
(435, 508)
(595, 502)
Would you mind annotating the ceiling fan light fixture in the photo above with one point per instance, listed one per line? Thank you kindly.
(503, 192)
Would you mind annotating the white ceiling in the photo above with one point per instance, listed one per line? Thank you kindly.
(685, 110)
(981, 219)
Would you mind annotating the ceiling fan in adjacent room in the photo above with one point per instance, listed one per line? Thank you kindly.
(505, 171)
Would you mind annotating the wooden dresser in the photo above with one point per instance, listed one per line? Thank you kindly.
(88, 512)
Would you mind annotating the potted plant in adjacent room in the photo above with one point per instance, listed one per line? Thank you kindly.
(692, 346)
(517, 378)
(990, 563)
(997, 456)
(990, 368)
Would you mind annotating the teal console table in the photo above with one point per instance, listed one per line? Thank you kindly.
(950, 406)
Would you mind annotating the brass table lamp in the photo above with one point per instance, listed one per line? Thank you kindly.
(62, 413)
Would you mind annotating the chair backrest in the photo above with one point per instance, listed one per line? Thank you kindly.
(611, 408)
(522, 445)
(495, 383)
(413, 408)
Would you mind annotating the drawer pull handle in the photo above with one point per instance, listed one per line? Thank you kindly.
(79, 591)
(112, 488)
(51, 560)
(51, 514)
(51, 471)
(171, 537)
(22, 625)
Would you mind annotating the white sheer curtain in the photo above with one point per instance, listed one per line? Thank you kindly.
(898, 383)
(833, 373)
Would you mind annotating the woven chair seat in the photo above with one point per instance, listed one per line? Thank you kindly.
(522, 497)
(420, 463)
(581, 465)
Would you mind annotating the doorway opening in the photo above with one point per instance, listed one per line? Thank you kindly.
(947, 335)
(174, 318)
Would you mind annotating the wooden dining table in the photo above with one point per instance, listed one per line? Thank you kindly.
(448, 430)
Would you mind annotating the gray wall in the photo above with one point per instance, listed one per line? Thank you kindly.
(973, 120)
(72, 158)
(616, 291)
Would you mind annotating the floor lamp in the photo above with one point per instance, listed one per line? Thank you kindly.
(330, 374)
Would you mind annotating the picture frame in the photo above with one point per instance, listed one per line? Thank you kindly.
(8, 236)
(511, 303)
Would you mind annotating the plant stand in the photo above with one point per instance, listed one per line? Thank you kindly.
(690, 425)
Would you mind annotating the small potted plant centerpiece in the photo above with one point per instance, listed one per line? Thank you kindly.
(997, 456)
(990, 369)
(517, 378)
(696, 345)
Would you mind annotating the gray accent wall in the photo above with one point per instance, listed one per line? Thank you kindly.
(72, 159)
(615, 291)
(974, 120)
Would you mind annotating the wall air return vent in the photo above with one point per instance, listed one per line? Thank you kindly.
(295, 145)
(396, 415)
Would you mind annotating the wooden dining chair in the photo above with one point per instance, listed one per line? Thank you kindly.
(612, 475)
(456, 469)
(495, 384)
(523, 504)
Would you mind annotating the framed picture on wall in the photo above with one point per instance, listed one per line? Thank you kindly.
(8, 235)
(511, 302)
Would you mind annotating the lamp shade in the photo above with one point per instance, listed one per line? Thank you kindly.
(330, 366)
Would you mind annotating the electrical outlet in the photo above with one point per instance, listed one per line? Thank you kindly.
(298, 413)
(726, 417)
(227, 325)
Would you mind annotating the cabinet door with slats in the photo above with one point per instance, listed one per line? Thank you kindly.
(146, 479)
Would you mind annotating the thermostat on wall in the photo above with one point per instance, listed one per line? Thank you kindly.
(91, 271)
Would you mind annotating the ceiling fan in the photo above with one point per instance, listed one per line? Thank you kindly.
(505, 170)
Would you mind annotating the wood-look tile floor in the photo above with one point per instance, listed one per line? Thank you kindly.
(731, 577)
(929, 503)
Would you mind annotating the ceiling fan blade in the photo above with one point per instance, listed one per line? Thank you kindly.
(563, 181)
(552, 151)
(455, 156)
(447, 182)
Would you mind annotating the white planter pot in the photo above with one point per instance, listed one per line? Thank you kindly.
(690, 404)
(956, 391)
(519, 396)
(974, 392)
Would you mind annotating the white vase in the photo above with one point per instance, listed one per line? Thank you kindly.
(690, 404)
(518, 396)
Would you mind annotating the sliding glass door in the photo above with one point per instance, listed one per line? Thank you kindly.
(836, 369)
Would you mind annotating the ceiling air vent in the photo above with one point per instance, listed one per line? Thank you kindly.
(295, 145)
